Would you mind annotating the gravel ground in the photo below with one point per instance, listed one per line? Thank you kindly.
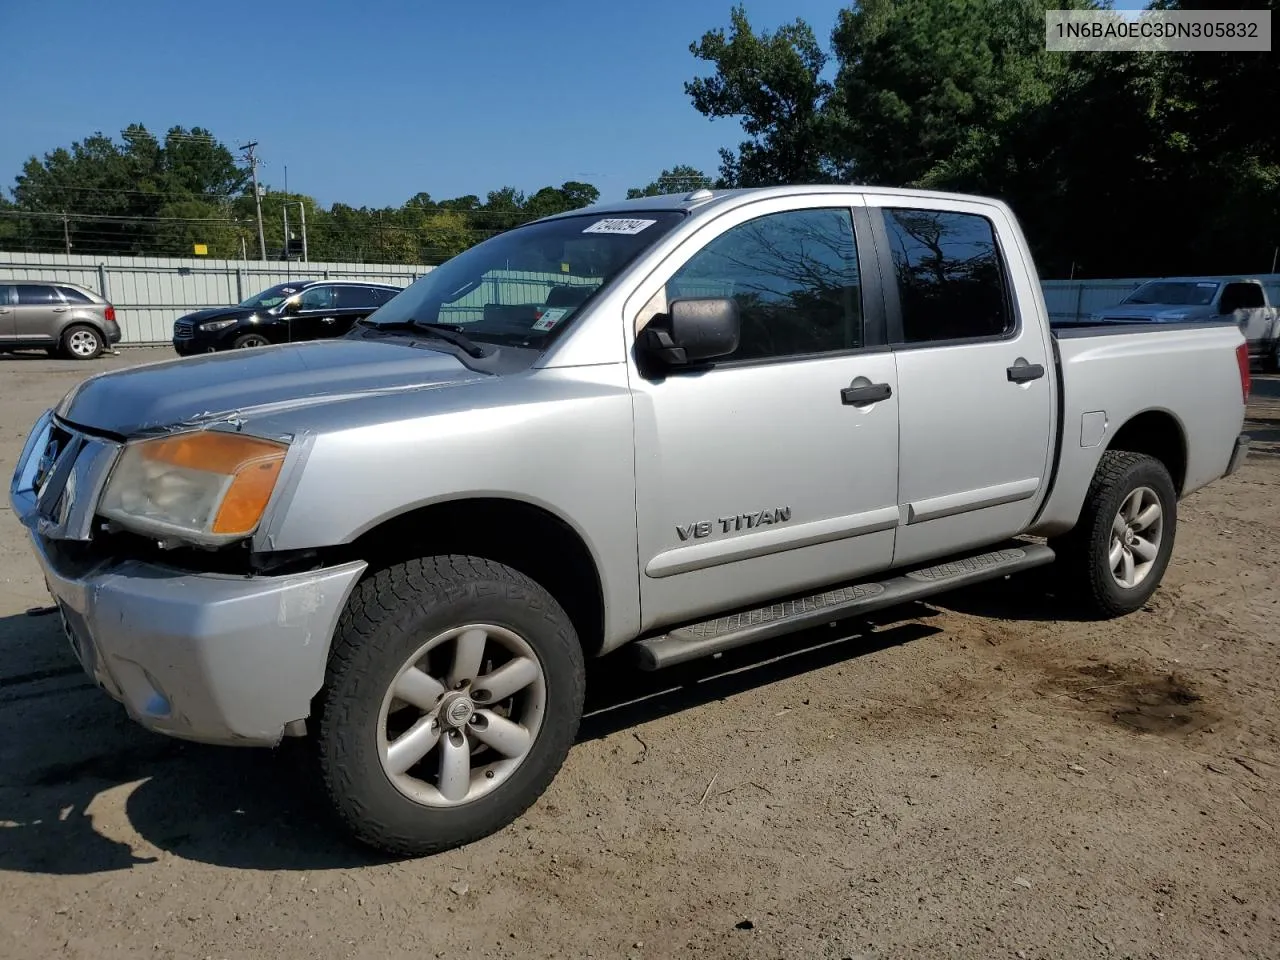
(981, 777)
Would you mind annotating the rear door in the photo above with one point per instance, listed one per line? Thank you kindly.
(354, 303)
(975, 378)
(40, 313)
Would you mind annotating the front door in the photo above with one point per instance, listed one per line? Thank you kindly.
(1244, 302)
(977, 393)
(8, 326)
(762, 474)
(318, 314)
(40, 312)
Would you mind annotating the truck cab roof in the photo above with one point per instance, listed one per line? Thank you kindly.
(706, 200)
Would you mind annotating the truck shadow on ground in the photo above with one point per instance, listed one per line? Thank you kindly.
(83, 790)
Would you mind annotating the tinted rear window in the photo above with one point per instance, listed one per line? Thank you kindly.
(32, 295)
(72, 295)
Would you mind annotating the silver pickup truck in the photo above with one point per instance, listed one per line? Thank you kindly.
(678, 425)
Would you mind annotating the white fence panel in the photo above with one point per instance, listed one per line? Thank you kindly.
(149, 293)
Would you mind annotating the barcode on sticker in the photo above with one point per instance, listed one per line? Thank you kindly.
(550, 317)
(622, 226)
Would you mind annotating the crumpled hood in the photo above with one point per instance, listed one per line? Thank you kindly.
(217, 386)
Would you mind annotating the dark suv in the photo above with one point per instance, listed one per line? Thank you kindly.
(286, 313)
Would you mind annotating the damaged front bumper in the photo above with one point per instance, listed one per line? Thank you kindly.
(211, 657)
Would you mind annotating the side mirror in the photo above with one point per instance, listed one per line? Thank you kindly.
(291, 306)
(693, 331)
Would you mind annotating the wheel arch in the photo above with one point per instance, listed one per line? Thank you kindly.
(528, 537)
(1157, 433)
(90, 322)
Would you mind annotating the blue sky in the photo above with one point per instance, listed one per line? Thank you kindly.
(369, 103)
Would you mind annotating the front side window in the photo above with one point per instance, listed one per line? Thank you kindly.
(794, 276)
(521, 286)
(317, 298)
(1241, 296)
(951, 284)
(272, 296)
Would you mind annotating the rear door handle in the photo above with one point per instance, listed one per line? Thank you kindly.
(59, 309)
(1025, 372)
(872, 393)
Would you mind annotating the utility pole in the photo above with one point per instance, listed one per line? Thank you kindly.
(252, 160)
(66, 233)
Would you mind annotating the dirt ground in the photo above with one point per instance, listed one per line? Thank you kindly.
(982, 777)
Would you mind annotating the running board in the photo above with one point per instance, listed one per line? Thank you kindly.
(709, 637)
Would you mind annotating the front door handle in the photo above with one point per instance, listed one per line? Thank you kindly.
(872, 393)
(59, 309)
(1025, 372)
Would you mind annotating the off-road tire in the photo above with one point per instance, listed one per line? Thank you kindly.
(1082, 566)
(387, 617)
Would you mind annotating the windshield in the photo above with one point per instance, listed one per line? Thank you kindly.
(1181, 293)
(272, 296)
(518, 287)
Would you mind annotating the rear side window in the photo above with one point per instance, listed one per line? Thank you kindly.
(72, 295)
(37, 295)
(357, 297)
(951, 283)
(381, 296)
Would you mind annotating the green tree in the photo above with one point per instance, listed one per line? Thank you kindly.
(772, 84)
(445, 234)
(681, 178)
(114, 192)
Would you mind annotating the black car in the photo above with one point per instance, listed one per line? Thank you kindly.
(286, 313)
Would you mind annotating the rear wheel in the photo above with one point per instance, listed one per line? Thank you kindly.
(1117, 554)
(453, 695)
(82, 343)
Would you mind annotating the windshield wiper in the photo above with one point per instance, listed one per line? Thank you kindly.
(438, 330)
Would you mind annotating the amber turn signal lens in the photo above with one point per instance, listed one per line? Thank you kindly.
(253, 464)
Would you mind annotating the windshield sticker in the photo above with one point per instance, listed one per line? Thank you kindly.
(624, 227)
(1206, 284)
(550, 318)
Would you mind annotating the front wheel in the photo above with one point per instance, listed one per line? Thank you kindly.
(1119, 550)
(453, 694)
(247, 341)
